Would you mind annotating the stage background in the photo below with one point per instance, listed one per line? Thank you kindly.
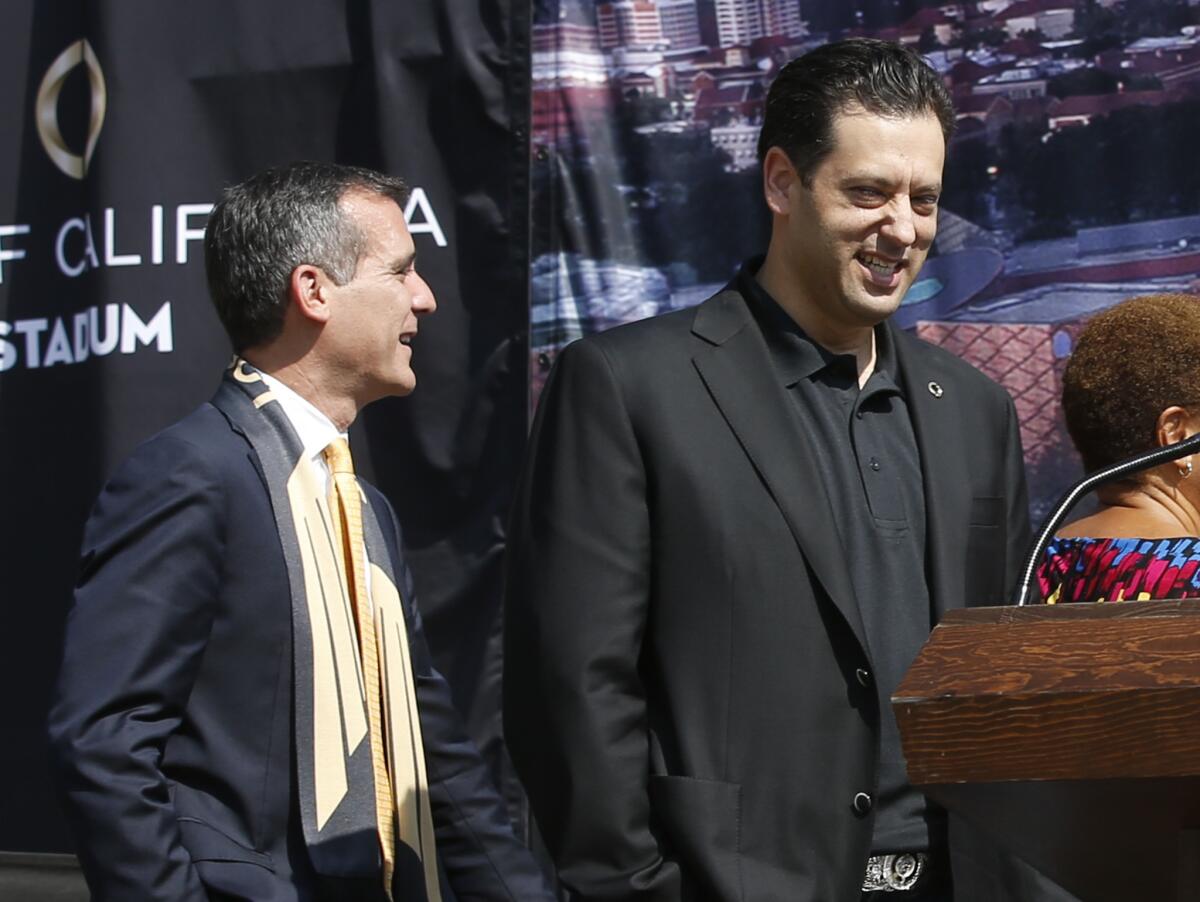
(1070, 185)
(196, 96)
(1070, 182)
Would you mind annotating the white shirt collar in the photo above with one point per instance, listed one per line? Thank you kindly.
(315, 431)
(313, 428)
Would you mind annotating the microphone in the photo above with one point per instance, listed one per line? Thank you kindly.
(1134, 464)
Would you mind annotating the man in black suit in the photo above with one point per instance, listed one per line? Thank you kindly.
(247, 708)
(737, 524)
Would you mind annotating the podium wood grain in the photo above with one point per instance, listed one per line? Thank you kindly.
(1070, 732)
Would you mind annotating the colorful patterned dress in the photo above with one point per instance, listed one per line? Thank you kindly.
(1120, 569)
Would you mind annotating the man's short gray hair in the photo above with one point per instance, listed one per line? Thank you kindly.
(265, 227)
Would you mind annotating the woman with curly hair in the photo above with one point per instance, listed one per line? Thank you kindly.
(1133, 384)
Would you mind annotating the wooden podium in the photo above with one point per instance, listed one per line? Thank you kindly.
(1071, 733)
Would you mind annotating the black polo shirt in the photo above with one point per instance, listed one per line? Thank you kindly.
(868, 459)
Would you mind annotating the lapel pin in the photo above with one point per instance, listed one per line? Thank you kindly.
(935, 390)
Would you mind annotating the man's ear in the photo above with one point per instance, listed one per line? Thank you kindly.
(308, 292)
(779, 180)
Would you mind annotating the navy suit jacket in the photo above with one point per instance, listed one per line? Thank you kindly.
(172, 726)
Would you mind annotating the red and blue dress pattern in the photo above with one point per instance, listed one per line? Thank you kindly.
(1120, 569)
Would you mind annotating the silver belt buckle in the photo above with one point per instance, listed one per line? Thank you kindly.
(894, 873)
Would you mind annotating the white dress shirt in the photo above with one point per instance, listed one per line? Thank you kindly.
(315, 431)
(313, 428)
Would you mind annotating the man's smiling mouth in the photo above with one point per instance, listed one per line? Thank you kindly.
(879, 265)
(883, 273)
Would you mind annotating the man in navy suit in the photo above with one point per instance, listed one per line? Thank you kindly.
(210, 725)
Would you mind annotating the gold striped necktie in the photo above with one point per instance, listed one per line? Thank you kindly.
(345, 501)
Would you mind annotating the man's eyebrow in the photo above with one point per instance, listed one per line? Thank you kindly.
(876, 179)
(866, 180)
(404, 262)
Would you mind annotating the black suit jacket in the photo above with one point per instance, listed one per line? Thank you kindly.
(682, 636)
(172, 727)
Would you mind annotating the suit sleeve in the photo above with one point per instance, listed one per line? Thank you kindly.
(576, 606)
(141, 616)
(482, 857)
(1018, 533)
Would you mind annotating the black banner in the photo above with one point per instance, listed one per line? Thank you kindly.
(125, 119)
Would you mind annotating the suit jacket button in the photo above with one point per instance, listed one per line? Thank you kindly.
(862, 803)
(863, 676)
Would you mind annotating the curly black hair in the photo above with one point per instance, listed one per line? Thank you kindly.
(1131, 362)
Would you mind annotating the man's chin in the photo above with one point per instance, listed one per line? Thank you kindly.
(877, 306)
(392, 388)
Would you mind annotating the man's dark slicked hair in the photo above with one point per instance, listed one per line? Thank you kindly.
(881, 78)
(281, 218)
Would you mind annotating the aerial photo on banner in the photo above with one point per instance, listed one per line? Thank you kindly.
(1070, 180)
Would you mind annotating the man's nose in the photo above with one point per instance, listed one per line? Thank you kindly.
(900, 226)
(423, 301)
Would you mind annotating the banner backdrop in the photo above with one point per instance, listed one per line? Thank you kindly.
(123, 121)
(1070, 183)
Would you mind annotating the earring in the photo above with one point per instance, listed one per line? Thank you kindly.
(1186, 471)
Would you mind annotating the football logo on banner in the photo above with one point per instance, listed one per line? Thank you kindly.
(73, 164)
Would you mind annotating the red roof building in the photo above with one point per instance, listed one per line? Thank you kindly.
(1170, 67)
(561, 116)
(983, 107)
(625, 23)
(932, 17)
(1081, 109)
(1053, 18)
(1021, 47)
(967, 72)
(739, 101)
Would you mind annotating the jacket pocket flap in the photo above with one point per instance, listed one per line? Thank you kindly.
(987, 511)
(207, 843)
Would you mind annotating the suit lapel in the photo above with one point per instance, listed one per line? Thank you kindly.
(934, 399)
(251, 454)
(737, 371)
